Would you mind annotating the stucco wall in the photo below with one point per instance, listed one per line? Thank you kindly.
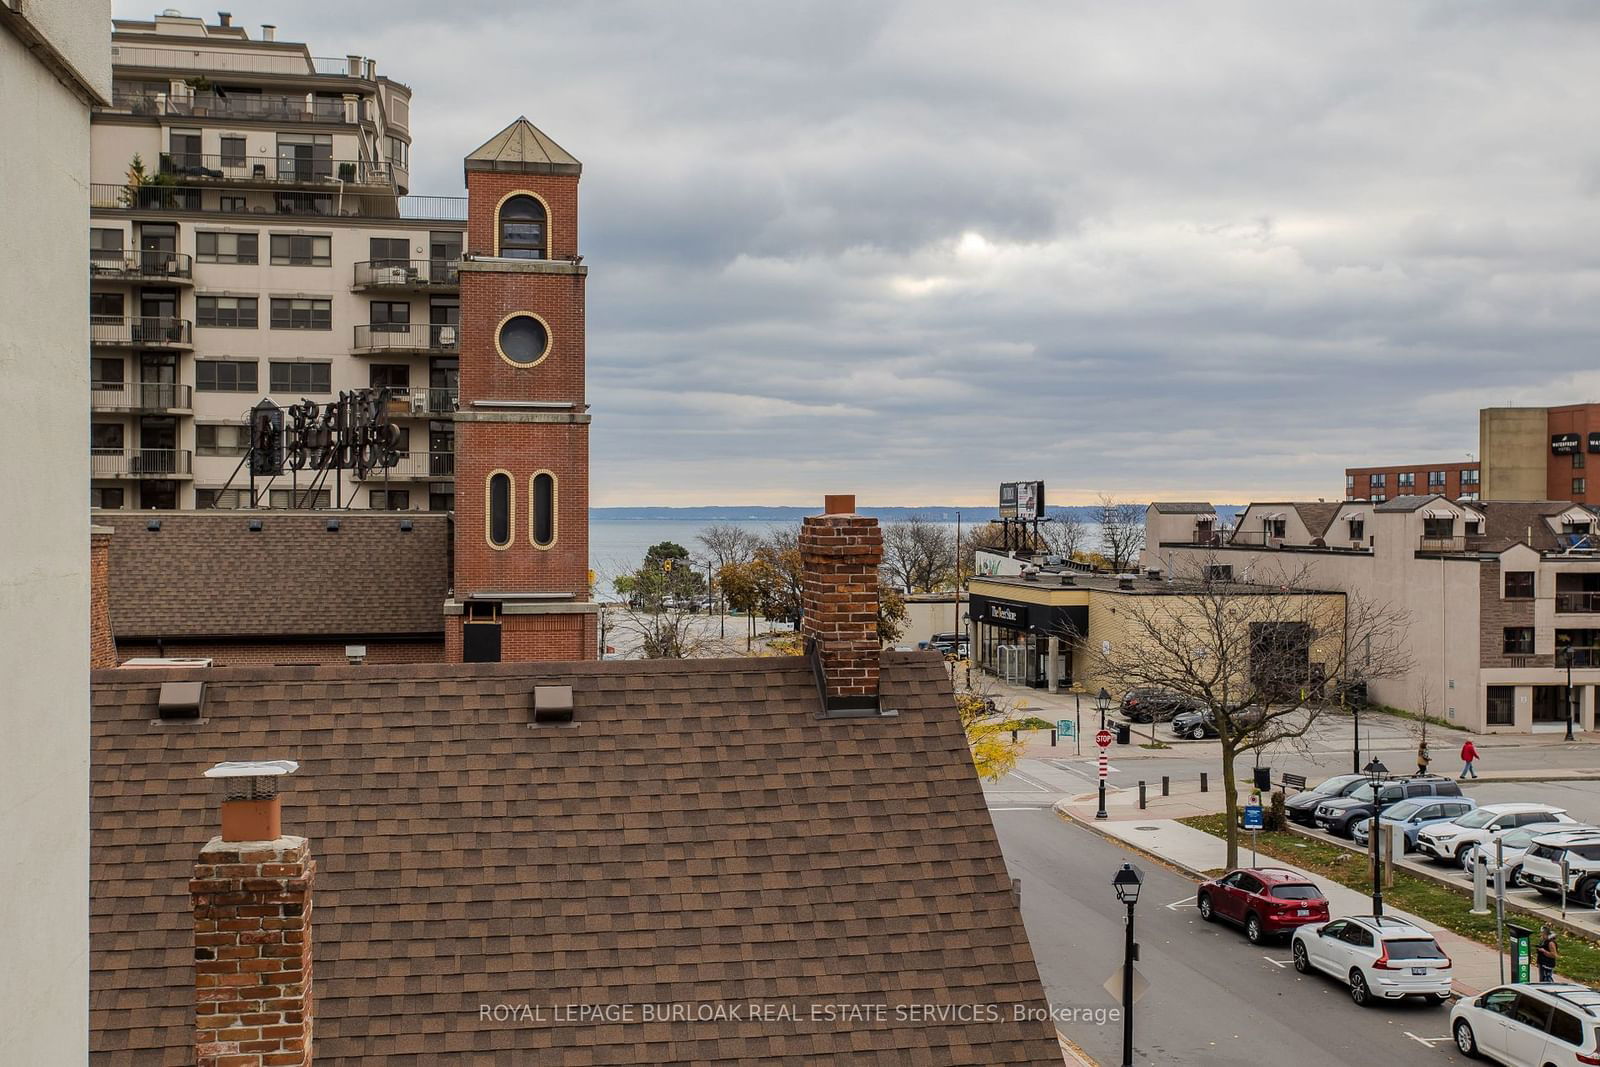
(1515, 453)
(44, 584)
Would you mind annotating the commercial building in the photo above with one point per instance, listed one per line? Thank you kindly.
(484, 851)
(54, 66)
(1502, 596)
(1456, 480)
(252, 235)
(1540, 453)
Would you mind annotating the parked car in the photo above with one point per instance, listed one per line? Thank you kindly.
(1200, 723)
(1266, 901)
(1338, 815)
(1538, 1024)
(951, 644)
(1147, 704)
(1541, 864)
(1511, 846)
(1449, 841)
(1302, 807)
(1412, 816)
(1379, 958)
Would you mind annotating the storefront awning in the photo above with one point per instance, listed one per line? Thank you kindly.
(1575, 517)
(1274, 516)
(1208, 517)
(1066, 621)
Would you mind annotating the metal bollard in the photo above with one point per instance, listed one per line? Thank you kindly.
(1166, 786)
(1013, 737)
(1202, 781)
(1052, 738)
(1141, 796)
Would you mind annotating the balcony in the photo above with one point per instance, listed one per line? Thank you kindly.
(403, 337)
(242, 201)
(194, 167)
(1441, 544)
(412, 276)
(1577, 603)
(139, 463)
(117, 265)
(211, 61)
(415, 466)
(267, 107)
(442, 401)
(114, 331)
(139, 396)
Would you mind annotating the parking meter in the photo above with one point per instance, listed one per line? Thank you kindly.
(1521, 951)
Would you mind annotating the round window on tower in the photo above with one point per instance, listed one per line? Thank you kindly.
(523, 339)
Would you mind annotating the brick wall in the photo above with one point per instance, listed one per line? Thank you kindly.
(102, 642)
(486, 299)
(559, 192)
(252, 937)
(228, 654)
(1498, 613)
(840, 554)
(534, 638)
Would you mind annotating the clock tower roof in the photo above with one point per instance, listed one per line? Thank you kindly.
(522, 148)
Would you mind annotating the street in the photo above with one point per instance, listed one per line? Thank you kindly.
(1213, 999)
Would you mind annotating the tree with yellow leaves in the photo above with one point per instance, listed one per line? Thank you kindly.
(988, 734)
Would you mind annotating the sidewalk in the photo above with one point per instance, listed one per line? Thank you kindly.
(1195, 852)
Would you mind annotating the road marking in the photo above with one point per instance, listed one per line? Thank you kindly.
(1277, 963)
(1429, 1041)
(1040, 787)
(1035, 807)
(1186, 902)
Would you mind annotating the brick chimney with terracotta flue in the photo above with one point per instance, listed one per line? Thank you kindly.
(839, 554)
(251, 894)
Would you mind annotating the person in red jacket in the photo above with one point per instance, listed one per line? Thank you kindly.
(1469, 753)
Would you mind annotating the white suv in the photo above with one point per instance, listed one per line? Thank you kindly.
(1448, 841)
(1541, 865)
(1381, 958)
(1510, 845)
(1541, 1024)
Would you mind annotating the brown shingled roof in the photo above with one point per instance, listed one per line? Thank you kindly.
(699, 836)
(206, 574)
(1317, 516)
(1508, 522)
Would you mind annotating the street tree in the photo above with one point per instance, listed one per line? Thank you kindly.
(988, 732)
(1065, 535)
(739, 585)
(1121, 532)
(1258, 657)
(919, 556)
(781, 574)
(723, 544)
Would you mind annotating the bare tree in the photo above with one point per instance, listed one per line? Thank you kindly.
(1255, 657)
(1121, 532)
(1066, 535)
(918, 555)
(724, 544)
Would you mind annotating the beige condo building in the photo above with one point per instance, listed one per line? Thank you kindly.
(252, 235)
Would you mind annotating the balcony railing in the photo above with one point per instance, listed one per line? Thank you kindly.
(142, 331)
(418, 274)
(141, 265)
(417, 465)
(139, 463)
(197, 166)
(268, 106)
(442, 401)
(241, 200)
(139, 396)
(1441, 544)
(211, 60)
(1582, 656)
(405, 337)
(1515, 659)
(1577, 603)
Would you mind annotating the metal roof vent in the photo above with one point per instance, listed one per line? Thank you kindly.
(1067, 579)
(1124, 581)
(255, 525)
(154, 525)
(552, 704)
(181, 700)
(1030, 574)
(405, 525)
(333, 525)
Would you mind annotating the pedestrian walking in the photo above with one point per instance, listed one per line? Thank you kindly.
(1423, 758)
(1547, 954)
(1469, 755)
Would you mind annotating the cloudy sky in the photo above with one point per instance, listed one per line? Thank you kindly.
(1164, 250)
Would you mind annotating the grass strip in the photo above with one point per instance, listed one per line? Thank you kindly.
(1445, 907)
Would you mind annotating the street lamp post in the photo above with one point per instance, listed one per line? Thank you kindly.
(1566, 654)
(1376, 772)
(1355, 741)
(1127, 884)
(1103, 702)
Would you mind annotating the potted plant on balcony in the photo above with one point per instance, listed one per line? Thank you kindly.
(143, 190)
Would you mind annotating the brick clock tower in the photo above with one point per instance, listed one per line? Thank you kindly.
(521, 589)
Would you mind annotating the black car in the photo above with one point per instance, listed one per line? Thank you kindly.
(1302, 807)
(949, 645)
(1339, 815)
(1147, 704)
(1201, 723)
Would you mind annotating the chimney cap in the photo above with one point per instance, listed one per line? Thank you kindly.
(839, 504)
(269, 768)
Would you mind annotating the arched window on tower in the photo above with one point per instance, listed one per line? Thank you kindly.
(522, 228)
(498, 519)
(542, 531)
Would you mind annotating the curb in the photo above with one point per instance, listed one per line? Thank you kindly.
(1093, 827)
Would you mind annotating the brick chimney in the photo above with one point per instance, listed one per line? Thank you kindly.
(102, 642)
(252, 930)
(839, 553)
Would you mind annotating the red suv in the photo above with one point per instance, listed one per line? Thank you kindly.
(1266, 901)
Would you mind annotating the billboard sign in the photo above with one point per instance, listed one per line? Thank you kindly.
(1022, 500)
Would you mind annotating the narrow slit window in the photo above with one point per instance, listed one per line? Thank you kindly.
(500, 510)
(544, 509)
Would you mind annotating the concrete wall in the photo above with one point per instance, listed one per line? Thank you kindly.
(924, 618)
(1515, 445)
(44, 583)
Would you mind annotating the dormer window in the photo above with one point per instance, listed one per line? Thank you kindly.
(522, 228)
(1438, 529)
(1276, 525)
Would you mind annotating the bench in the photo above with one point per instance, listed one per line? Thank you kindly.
(1294, 781)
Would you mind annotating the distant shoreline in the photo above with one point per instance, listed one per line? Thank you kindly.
(735, 513)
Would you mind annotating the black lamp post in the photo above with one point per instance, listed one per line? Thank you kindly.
(1355, 742)
(1128, 881)
(1376, 772)
(1103, 702)
(1566, 655)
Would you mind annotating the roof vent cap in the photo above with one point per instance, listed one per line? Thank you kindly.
(552, 704)
(255, 525)
(153, 525)
(181, 700)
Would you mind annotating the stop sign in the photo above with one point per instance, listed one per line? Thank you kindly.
(1103, 738)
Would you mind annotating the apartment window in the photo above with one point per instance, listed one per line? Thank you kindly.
(1519, 640)
(185, 145)
(231, 203)
(107, 305)
(444, 246)
(298, 498)
(1577, 460)
(1358, 529)
(238, 311)
(1519, 585)
(105, 371)
(221, 498)
(1219, 572)
(1579, 486)
(398, 150)
(301, 314)
(389, 251)
(389, 316)
(1438, 529)
(106, 496)
(1276, 527)
(1474, 527)
(442, 496)
(302, 249)
(1379, 498)
(1349, 483)
(1501, 705)
(1469, 477)
(232, 150)
(106, 435)
(522, 220)
(226, 440)
(542, 498)
(497, 517)
(225, 375)
(306, 157)
(301, 377)
(389, 375)
(214, 246)
(1378, 481)
(1406, 480)
(105, 245)
(389, 500)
